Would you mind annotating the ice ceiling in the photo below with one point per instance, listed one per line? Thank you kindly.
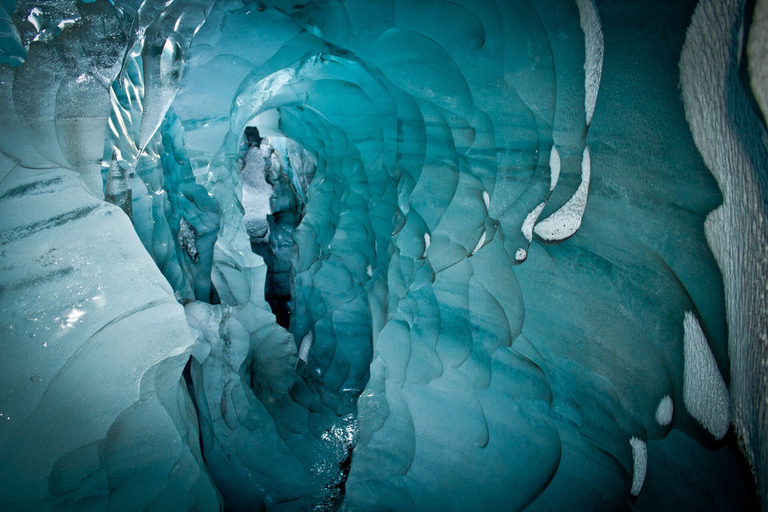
(516, 252)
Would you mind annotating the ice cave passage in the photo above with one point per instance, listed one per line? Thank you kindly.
(383, 255)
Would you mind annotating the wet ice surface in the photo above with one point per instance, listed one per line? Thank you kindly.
(93, 344)
(488, 224)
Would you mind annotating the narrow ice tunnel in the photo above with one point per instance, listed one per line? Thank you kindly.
(276, 174)
(383, 255)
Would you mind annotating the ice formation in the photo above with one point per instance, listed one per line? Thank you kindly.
(594, 50)
(704, 393)
(382, 255)
(639, 464)
(567, 220)
(665, 411)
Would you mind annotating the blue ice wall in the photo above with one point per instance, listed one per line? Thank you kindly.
(514, 282)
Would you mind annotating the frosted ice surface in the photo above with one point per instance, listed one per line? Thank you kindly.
(306, 344)
(530, 221)
(639, 464)
(554, 168)
(109, 342)
(664, 411)
(594, 50)
(730, 135)
(705, 394)
(567, 220)
(480, 243)
(757, 50)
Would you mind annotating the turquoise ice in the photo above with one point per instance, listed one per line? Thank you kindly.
(383, 255)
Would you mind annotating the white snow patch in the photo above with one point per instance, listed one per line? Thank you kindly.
(640, 464)
(664, 411)
(704, 392)
(567, 220)
(530, 221)
(369, 270)
(521, 254)
(479, 243)
(594, 49)
(427, 241)
(486, 199)
(554, 168)
(306, 344)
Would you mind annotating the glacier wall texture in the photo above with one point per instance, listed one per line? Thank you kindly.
(389, 255)
(731, 137)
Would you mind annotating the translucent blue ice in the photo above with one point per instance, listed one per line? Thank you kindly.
(379, 255)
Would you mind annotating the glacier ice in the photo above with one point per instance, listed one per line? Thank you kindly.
(382, 255)
(640, 464)
(566, 221)
(704, 393)
(664, 411)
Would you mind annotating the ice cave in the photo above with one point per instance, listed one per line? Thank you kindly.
(383, 255)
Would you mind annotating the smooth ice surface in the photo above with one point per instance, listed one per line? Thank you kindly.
(530, 221)
(94, 344)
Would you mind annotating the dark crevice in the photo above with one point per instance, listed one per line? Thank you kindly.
(190, 383)
(274, 192)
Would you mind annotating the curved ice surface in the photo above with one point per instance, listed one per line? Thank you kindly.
(730, 135)
(664, 411)
(704, 393)
(594, 50)
(567, 220)
(639, 464)
(438, 356)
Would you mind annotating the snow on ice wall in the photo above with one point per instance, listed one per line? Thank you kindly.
(500, 257)
(731, 136)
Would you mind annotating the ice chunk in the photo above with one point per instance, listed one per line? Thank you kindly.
(187, 238)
